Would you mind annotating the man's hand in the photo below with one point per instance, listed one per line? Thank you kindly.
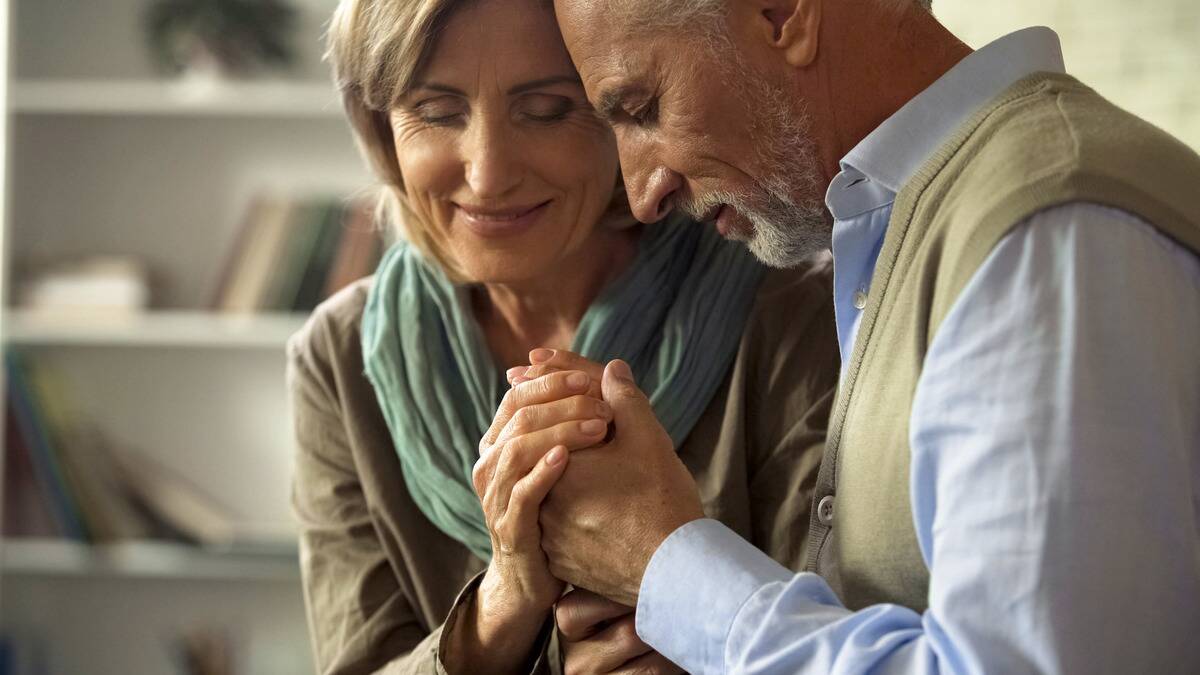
(598, 636)
(616, 503)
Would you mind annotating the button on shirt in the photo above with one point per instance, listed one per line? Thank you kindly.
(1055, 437)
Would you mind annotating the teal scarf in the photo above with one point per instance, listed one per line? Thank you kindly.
(676, 315)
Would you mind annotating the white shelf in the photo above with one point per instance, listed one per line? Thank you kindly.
(144, 559)
(152, 329)
(181, 98)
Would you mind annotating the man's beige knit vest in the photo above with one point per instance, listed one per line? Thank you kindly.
(1047, 140)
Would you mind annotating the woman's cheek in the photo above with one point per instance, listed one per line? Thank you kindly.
(428, 171)
(429, 164)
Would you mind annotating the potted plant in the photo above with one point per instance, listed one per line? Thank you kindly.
(220, 37)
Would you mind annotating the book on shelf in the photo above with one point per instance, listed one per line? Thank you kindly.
(290, 254)
(87, 471)
(35, 442)
(92, 284)
(26, 512)
(177, 502)
(64, 479)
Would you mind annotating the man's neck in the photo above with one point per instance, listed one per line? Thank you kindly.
(872, 63)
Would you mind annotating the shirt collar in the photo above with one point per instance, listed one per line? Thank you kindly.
(875, 170)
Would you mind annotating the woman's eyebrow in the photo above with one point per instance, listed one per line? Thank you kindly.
(544, 82)
(434, 86)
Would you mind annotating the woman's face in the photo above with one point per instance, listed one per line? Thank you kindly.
(501, 154)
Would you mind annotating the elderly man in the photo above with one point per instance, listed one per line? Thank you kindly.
(1012, 476)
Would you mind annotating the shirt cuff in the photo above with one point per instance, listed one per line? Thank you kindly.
(692, 590)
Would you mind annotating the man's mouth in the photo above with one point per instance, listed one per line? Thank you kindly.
(731, 225)
(710, 216)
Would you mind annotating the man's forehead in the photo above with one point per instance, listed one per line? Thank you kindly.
(592, 31)
(611, 63)
(605, 55)
(581, 9)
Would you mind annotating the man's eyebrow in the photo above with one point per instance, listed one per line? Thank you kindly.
(610, 100)
(544, 82)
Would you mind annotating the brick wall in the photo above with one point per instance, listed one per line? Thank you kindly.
(1144, 55)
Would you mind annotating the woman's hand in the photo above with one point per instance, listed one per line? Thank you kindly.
(516, 471)
(546, 361)
(598, 636)
(520, 460)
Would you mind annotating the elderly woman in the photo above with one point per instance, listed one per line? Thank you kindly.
(516, 236)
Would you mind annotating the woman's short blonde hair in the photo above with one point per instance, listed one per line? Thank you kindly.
(376, 48)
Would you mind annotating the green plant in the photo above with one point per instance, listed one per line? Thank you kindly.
(234, 35)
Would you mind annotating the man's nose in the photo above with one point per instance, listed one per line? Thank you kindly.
(652, 189)
(492, 161)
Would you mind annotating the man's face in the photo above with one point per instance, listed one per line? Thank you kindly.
(702, 128)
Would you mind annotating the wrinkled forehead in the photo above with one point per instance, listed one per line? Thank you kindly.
(475, 46)
(600, 46)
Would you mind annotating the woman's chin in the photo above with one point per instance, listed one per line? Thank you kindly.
(489, 268)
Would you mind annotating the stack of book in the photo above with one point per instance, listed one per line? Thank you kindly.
(291, 254)
(62, 479)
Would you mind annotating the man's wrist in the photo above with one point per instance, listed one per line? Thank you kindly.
(654, 542)
(697, 581)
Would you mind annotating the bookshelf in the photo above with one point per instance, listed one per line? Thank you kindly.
(165, 328)
(35, 557)
(104, 156)
(273, 99)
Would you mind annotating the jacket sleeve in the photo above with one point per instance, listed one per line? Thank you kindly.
(359, 620)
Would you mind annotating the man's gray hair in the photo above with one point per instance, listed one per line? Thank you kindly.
(668, 14)
(673, 14)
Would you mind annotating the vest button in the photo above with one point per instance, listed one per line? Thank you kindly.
(825, 510)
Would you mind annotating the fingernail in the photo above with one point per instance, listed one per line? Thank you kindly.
(593, 427)
(541, 355)
(556, 455)
(515, 372)
(603, 409)
(577, 381)
(621, 370)
(519, 379)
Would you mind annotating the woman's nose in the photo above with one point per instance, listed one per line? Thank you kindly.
(492, 159)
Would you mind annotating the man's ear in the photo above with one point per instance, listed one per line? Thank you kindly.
(796, 26)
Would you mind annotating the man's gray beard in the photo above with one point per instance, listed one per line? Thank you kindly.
(784, 233)
(788, 209)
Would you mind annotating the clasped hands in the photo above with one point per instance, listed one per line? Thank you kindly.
(579, 484)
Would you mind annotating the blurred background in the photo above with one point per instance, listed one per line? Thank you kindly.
(179, 190)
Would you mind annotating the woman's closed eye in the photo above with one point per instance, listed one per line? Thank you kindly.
(440, 110)
(544, 107)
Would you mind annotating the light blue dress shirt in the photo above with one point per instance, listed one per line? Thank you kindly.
(1055, 437)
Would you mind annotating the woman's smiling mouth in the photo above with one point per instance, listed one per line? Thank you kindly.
(491, 222)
